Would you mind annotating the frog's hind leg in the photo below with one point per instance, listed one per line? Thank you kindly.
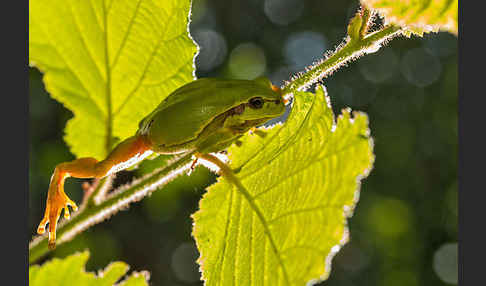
(57, 200)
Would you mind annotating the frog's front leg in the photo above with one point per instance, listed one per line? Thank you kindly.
(217, 141)
(224, 169)
(125, 154)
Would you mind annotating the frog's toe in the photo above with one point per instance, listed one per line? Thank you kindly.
(42, 225)
(53, 217)
(71, 204)
(66, 208)
(53, 211)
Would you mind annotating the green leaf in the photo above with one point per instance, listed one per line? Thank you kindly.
(354, 26)
(110, 62)
(418, 16)
(70, 271)
(303, 181)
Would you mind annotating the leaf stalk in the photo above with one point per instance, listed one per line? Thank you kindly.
(356, 44)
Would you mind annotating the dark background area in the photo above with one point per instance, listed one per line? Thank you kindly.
(404, 229)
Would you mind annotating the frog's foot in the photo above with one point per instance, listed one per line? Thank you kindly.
(54, 207)
(118, 159)
(57, 200)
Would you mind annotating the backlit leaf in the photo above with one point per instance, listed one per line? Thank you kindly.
(109, 62)
(418, 16)
(303, 181)
(71, 271)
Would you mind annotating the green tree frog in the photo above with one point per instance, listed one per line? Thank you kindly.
(203, 116)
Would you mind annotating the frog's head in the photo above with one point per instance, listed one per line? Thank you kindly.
(264, 103)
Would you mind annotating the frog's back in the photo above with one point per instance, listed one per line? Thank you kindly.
(184, 113)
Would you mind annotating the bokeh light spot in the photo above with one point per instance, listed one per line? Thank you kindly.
(445, 263)
(247, 61)
(400, 278)
(377, 68)
(280, 75)
(303, 48)
(184, 262)
(440, 44)
(420, 68)
(283, 12)
(389, 217)
(212, 51)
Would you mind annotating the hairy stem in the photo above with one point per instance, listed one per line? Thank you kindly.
(102, 188)
(350, 50)
(118, 200)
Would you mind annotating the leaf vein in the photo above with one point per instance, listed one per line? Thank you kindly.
(264, 260)
(83, 41)
(102, 28)
(68, 66)
(278, 151)
(223, 250)
(238, 224)
(131, 94)
(124, 40)
(306, 247)
(162, 81)
(147, 65)
(304, 210)
(251, 248)
(318, 160)
(295, 134)
(109, 7)
(266, 229)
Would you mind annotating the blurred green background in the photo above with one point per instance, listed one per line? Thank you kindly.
(404, 229)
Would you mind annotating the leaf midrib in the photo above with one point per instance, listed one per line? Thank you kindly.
(266, 230)
(109, 119)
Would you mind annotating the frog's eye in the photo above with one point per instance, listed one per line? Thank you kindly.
(256, 102)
